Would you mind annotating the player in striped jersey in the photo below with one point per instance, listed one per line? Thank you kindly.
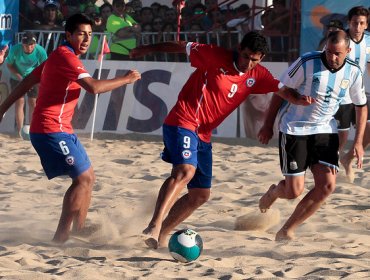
(360, 53)
(308, 135)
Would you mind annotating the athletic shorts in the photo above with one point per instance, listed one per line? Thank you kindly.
(32, 93)
(60, 154)
(299, 152)
(183, 146)
(346, 115)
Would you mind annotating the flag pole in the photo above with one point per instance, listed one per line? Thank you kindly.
(101, 57)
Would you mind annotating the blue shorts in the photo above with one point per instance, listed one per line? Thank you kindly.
(60, 154)
(183, 146)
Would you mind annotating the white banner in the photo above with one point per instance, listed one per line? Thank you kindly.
(143, 106)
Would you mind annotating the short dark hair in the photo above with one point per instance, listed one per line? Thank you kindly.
(358, 11)
(75, 20)
(335, 37)
(255, 42)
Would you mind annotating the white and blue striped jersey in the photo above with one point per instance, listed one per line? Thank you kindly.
(360, 53)
(310, 76)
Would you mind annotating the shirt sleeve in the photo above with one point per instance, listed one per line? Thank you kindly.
(205, 56)
(357, 90)
(293, 77)
(72, 68)
(268, 83)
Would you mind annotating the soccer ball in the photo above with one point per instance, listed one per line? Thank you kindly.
(25, 132)
(185, 245)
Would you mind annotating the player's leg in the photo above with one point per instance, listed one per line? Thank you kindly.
(366, 140)
(324, 157)
(19, 108)
(76, 203)
(168, 194)
(324, 185)
(181, 149)
(19, 114)
(31, 102)
(292, 153)
(182, 209)
(198, 193)
(347, 116)
(63, 154)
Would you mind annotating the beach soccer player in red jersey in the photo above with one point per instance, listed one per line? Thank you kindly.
(61, 77)
(221, 81)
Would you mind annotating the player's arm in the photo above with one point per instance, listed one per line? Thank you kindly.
(357, 147)
(267, 130)
(95, 86)
(23, 87)
(293, 96)
(2, 54)
(167, 47)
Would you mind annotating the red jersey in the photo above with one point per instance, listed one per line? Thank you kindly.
(215, 89)
(58, 91)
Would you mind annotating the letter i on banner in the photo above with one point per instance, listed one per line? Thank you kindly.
(104, 50)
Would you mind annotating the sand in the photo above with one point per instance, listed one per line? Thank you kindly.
(332, 244)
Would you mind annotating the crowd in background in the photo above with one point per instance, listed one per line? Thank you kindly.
(201, 20)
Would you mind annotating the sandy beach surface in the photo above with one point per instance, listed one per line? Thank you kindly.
(332, 244)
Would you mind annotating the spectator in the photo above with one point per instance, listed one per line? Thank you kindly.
(241, 20)
(125, 31)
(136, 6)
(157, 24)
(22, 59)
(146, 15)
(51, 17)
(155, 8)
(70, 7)
(170, 16)
(105, 11)
(146, 38)
(276, 26)
(333, 25)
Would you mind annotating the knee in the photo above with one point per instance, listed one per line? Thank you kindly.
(87, 179)
(183, 174)
(327, 190)
(294, 190)
(199, 198)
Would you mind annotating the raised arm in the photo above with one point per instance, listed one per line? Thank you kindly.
(95, 86)
(167, 47)
(24, 86)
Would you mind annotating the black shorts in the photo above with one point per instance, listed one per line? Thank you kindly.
(299, 152)
(32, 93)
(346, 115)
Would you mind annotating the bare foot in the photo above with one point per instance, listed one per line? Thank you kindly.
(151, 237)
(347, 165)
(267, 199)
(60, 238)
(284, 235)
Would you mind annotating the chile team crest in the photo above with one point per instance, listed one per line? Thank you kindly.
(250, 82)
(70, 160)
(186, 154)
